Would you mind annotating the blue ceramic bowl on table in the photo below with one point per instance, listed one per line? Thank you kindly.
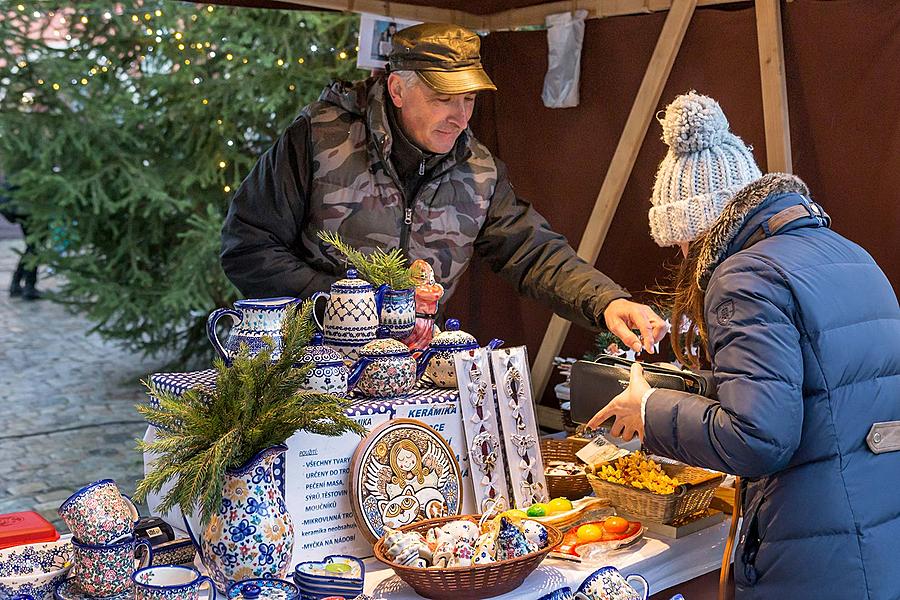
(34, 569)
(335, 575)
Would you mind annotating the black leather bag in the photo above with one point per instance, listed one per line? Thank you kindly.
(593, 385)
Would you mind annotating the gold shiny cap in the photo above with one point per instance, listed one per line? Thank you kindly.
(447, 57)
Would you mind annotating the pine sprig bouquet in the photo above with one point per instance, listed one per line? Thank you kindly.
(377, 268)
(256, 404)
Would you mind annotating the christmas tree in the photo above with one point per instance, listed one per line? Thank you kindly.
(125, 126)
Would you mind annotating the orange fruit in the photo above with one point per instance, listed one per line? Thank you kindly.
(615, 524)
(589, 533)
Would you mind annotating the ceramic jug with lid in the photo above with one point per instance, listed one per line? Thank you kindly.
(437, 360)
(328, 374)
(253, 319)
(385, 367)
(351, 313)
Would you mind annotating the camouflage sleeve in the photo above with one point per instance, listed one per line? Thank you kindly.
(263, 224)
(519, 245)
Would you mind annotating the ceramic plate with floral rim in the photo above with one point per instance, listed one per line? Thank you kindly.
(69, 590)
(337, 568)
(403, 472)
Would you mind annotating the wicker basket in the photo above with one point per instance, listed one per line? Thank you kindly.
(467, 583)
(690, 498)
(572, 487)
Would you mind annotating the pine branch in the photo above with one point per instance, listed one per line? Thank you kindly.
(378, 268)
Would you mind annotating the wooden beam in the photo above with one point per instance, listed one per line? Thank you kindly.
(399, 10)
(774, 86)
(597, 9)
(619, 171)
(503, 20)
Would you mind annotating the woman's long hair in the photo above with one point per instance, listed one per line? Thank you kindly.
(687, 303)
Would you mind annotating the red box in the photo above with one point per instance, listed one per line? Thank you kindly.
(26, 527)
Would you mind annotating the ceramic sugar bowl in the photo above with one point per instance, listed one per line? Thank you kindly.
(329, 374)
(385, 367)
(438, 357)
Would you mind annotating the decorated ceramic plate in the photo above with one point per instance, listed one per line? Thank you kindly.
(69, 590)
(403, 472)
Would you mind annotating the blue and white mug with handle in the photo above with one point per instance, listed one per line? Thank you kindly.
(608, 584)
(170, 582)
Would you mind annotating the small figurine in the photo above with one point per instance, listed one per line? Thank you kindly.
(428, 293)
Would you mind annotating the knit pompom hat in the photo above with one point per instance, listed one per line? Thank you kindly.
(705, 166)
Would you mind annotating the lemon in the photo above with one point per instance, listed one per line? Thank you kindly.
(589, 533)
(537, 510)
(558, 505)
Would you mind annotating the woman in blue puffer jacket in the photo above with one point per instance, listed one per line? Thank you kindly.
(803, 332)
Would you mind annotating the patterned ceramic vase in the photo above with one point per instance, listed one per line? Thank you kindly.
(351, 313)
(437, 360)
(168, 582)
(398, 312)
(253, 319)
(106, 569)
(99, 513)
(252, 534)
(385, 368)
(328, 374)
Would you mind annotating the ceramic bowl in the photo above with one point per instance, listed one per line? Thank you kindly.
(34, 569)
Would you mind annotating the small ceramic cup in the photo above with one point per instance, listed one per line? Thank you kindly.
(170, 582)
(99, 513)
(608, 584)
(563, 593)
(104, 570)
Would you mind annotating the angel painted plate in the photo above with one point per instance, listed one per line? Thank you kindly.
(403, 472)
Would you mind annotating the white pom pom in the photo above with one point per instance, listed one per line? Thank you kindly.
(693, 122)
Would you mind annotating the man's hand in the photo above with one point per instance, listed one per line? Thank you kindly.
(626, 408)
(623, 315)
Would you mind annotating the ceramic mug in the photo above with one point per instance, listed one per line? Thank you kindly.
(99, 513)
(170, 582)
(608, 584)
(106, 569)
(563, 593)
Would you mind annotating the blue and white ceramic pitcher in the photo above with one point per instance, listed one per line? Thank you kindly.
(351, 313)
(253, 318)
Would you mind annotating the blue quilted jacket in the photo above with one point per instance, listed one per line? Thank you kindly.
(804, 335)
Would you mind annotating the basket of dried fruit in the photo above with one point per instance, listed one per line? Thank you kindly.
(644, 488)
(562, 469)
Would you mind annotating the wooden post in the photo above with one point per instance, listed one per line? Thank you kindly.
(774, 86)
(619, 171)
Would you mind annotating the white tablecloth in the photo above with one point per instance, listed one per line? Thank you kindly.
(663, 562)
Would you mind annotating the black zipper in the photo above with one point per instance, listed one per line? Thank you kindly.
(408, 205)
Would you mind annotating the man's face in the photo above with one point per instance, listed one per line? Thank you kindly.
(431, 121)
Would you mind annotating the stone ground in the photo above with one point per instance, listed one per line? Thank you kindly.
(67, 399)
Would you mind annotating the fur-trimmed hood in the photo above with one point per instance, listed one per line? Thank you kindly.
(716, 241)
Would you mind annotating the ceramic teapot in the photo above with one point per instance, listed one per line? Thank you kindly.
(351, 313)
(385, 367)
(329, 374)
(437, 359)
(253, 319)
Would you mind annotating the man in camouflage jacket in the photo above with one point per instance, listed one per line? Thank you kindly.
(390, 162)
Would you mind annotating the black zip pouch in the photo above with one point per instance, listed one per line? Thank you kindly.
(592, 385)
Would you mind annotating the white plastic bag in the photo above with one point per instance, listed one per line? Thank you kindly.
(565, 37)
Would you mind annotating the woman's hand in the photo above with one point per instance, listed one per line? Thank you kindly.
(626, 408)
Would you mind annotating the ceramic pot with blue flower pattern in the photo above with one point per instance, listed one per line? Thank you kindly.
(253, 320)
(169, 582)
(251, 535)
(328, 373)
(385, 368)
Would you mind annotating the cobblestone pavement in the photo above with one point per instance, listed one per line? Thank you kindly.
(67, 399)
